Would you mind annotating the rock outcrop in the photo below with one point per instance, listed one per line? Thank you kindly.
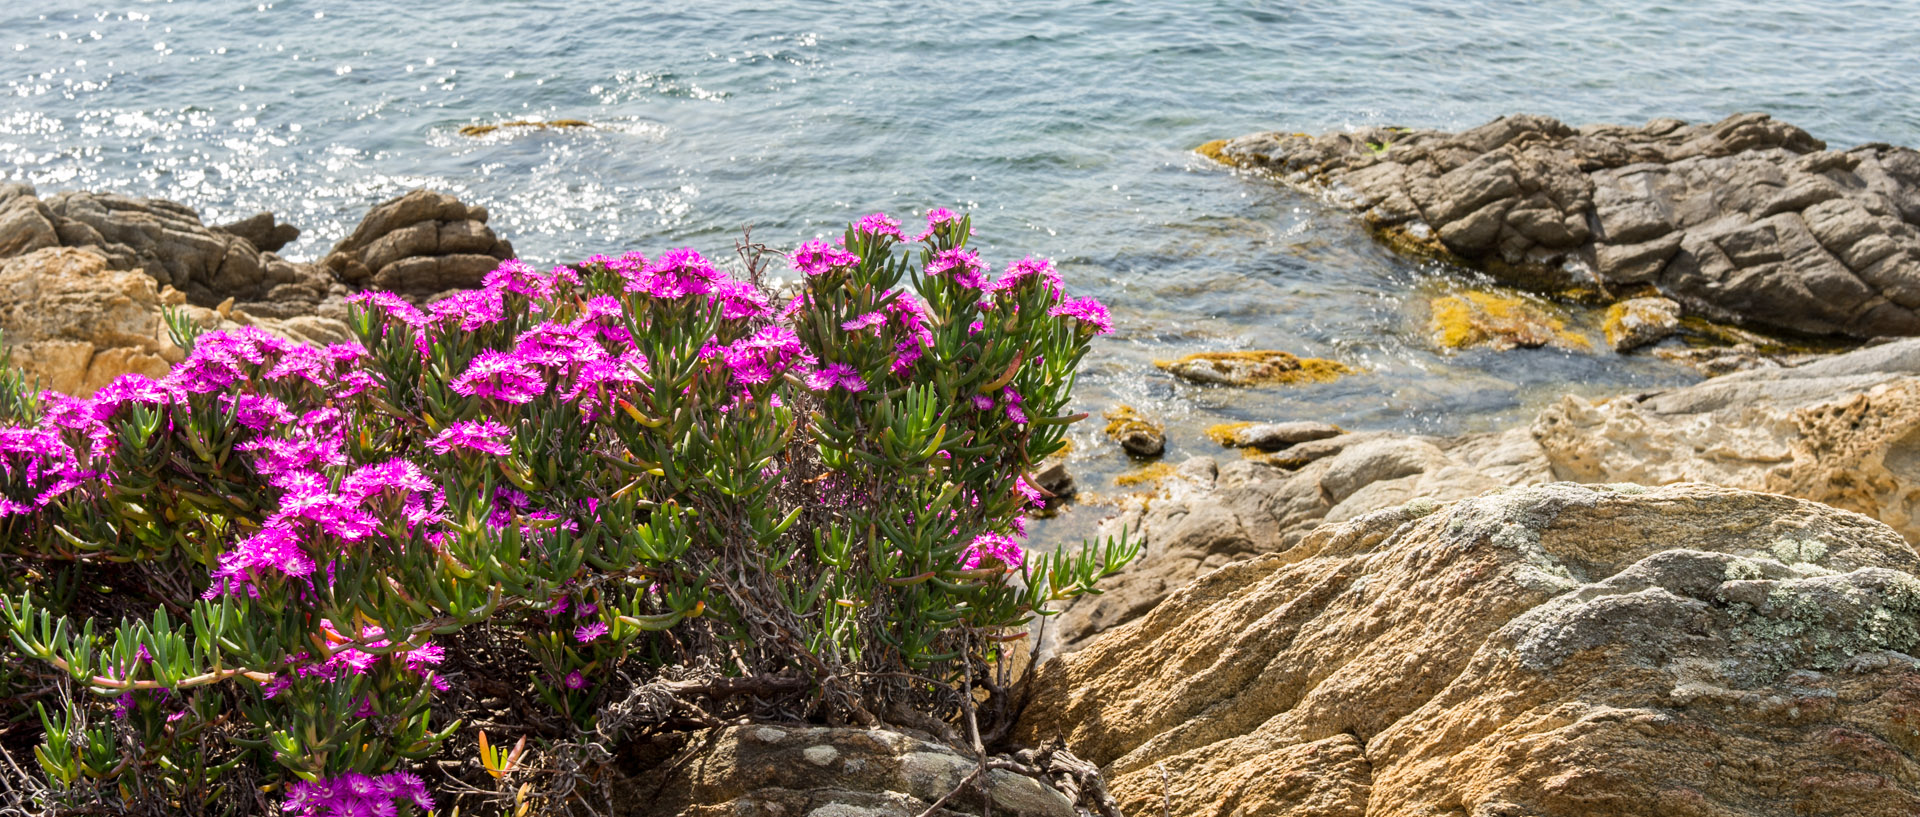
(1747, 220)
(1550, 650)
(765, 771)
(422, 243)
(1839, 430)
(73, 324)
(1843, 430)
(1206, 514)
(168, 242)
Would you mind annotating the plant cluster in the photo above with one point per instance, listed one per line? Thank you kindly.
(635, 493)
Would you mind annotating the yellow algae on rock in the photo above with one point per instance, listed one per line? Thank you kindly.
(1138, 435)
(1255, 368)
(1226, 433)
(1502, 321)
(1215, 150)
(1636, 322)
(1151, 474)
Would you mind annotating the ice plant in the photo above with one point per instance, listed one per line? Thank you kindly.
(274, 570)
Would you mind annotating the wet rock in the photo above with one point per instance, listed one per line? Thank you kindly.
(421, 243)
(1636, 322)
(1714, 361)
(1136, 434)
(1550, 650)
(1275, 436)
(1501, 321)
(1747, 220)
(1054, 478)
(826, 772)
(1254, 368)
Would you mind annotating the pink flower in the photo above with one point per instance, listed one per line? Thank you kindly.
(676, 274)
(936, 217)
(1030, 269)
(871, 320)
(990, 550)
(588, 632)
(816, 257)
(499, 376)
(838, 374)
(1089, 312)
(484, 436)
(739, 300)
(965, 266)
(575, 680)
(879, 224)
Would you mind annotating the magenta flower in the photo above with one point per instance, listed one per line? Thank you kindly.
(992, 550)
(1089, 312)
(588, 632)
(879, 224)
(396, 475)
(484, 436)
(1030, 269)
(966, 267)
(256, 411)
(470, 309)
(1032, 494)
(1011, 399)
(575, 680)
(871, 320)
(816, 257)
(677, 274)
(765, 355)
(275, 548)
(499, 376)
(837, 374)
(739, 300)
(936, 217)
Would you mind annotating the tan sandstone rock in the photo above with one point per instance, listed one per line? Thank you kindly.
(1840, 430)
(1550, 650)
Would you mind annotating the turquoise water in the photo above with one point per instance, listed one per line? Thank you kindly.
(1066, 126)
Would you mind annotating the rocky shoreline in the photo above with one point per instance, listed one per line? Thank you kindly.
(1749, 220)
(1701, 600)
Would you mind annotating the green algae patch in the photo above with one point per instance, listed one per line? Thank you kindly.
(557, 124)
(1502, 321)
(1255, 368)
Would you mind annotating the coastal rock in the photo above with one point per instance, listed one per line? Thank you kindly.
(1137, 435)
(73, 323)
(1636, 322)
(1276, 436)
(1550, 650)
(772, 771)
(421, 243)
(1219, 514)
(1840, 430)
(1747, 220)
(1254, 368)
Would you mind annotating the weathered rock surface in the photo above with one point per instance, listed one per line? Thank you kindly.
(74, 324)
(1275, 436)
(1209, 514)
(1549, 650)
(775, 771)
(421, 243)
(1501, 321)
(1747, 220)
(168, 242)
(1843, 430)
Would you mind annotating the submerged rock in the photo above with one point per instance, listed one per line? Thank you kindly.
(1136, 434)
(1636, 322)
(1551, 650)
(1747, 220)
(1254, 368)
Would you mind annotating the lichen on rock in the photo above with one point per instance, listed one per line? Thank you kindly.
(1501, 321)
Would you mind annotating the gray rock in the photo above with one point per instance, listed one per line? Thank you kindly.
(1275, 436)
(1747, 220)
(419, 244)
